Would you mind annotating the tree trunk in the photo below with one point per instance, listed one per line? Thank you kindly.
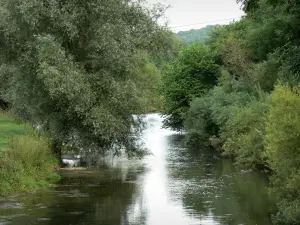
(57, 145)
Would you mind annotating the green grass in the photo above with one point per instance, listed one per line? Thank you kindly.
(26, 159)
(9, 127)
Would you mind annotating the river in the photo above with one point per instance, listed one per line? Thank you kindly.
(173, 186)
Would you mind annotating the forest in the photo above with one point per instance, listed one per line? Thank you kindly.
(239, 93)
(196, 35)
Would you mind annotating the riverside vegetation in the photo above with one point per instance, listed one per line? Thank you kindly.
(79, 70)
(26, 159)
(239, 93)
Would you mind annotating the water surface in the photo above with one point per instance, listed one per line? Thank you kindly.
(174, 185)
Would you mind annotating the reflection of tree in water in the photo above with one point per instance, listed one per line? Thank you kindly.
(108, 203)
(104, 198)
(211, 186)
(206, 185)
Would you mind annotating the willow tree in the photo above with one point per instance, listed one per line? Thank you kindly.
(74, 67)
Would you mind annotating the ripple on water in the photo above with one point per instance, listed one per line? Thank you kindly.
(3, 222)
(72, 194)
(40, 206)
(43, 219)
(76, 213)
(11, 205)
(6, 219)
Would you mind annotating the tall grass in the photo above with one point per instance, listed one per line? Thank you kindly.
(27, 161)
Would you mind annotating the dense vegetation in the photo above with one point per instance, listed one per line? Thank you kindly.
(80, 69)
(77, 71)
(27, 161)
(196, 35)
(239, 93)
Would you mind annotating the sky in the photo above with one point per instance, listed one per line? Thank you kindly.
(199, 13)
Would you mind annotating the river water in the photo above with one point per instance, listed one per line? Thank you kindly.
(173, 186)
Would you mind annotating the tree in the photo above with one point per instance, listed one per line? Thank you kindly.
(77, 67)
(248, 5)
(282, 150)
(228, 44)
(191, 75)
(259, 57)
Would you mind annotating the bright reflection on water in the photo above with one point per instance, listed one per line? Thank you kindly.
(173, 186)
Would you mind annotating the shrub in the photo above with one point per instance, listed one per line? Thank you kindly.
(190, 76)
(283, 152)
(244, 134)
(265, 74)
(207, 117)
(199, 123)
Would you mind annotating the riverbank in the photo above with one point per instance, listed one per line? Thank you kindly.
(26, 160)
(174, 185)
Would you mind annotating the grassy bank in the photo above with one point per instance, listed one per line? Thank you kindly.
(26, 161)
(9, 127)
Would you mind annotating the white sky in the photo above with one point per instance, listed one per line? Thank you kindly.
(200, 12)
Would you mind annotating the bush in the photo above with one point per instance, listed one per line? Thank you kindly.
(207, 117)
(199, 123)
(265, 74)
(230, 119)
(190, 76)
(283, 152)
(244, 133)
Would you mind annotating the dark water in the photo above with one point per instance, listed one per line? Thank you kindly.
(175, 186)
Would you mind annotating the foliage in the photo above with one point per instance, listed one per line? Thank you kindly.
(199, 123)
(149, 83)
(228, 43)
(188, 77)
(5, 71)
(259, 57)
(282, 149)
(249, 5)
(209, 117)
(244, 133)
(78, 68)
(265, 74)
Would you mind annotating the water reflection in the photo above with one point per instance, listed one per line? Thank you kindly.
(80, 199)
(175, 186)
(214, 190)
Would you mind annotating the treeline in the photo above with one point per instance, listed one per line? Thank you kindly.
(239, 93)
(79, 70)
(196, 35)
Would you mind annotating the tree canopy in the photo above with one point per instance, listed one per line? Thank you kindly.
(76, 68)
(191, 75)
